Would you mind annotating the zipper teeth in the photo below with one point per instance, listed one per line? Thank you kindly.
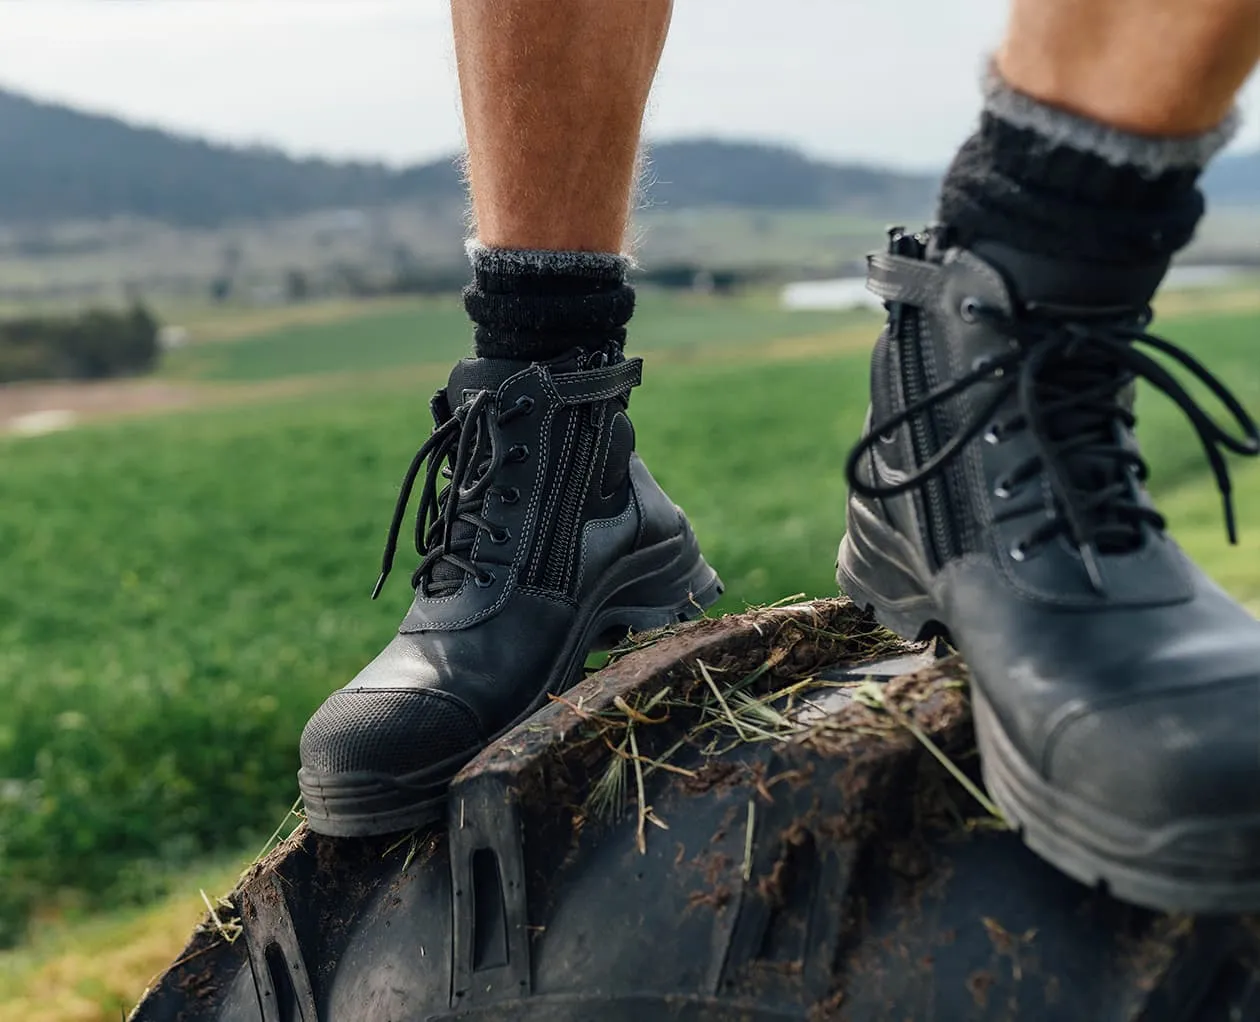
(914, 382)
(946, 488)
(923, 433)
(957, 528)
(557, 569)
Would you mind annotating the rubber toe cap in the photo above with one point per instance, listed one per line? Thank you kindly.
(387, 731)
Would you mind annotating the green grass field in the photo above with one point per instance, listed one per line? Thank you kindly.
(435, 332)
(182, 591)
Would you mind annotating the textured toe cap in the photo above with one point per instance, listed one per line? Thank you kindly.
(387, 731)
(1166, 756)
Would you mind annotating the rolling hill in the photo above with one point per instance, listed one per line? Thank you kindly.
(91, 206)
(62, 164)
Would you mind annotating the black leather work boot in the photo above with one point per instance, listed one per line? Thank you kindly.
(550, 538)
(998, 495)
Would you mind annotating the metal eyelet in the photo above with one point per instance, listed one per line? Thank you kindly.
(1002, 491)
(510, 495)
(1019, 552)
(525, 403)
(982, 362)
(969, 309)
(518, 452)
(485, 581)
(993, 436)
(500, 536)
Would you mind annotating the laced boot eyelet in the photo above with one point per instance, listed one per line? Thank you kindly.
(500, 536)
(1002, 491)
(969, 309)
(510, 496)
(485, 580)
(525, 403)
(517, 452)
(982, 362)
(998, 432)
(1019, 552)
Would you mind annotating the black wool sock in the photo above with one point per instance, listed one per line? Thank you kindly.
(533, 305)
(1056, 184)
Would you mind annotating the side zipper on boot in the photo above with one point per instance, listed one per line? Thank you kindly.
(924, 429)
(559, 568)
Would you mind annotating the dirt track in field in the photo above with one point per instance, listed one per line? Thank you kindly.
(34, 408)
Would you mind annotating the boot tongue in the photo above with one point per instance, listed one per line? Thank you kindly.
(1043, 281)
(471, 375)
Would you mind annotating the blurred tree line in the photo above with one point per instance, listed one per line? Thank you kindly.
(92, 345)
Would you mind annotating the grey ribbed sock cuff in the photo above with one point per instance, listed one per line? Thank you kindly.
(596, 265)
(1150, 154)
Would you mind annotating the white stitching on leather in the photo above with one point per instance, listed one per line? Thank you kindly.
(603, 461)
(553, 498)
(602, 523)
(586, 492)
(591, 397)
(544, 595)
(526, 528)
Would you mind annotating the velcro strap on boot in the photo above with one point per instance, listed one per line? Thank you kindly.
(603, 384)
(897, 278)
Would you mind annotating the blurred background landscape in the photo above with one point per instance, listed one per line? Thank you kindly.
(93, 209)
(216, 358)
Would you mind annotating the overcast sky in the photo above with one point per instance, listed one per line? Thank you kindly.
(880, 80)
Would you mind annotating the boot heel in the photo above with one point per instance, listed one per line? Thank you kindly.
(873, 570)
(667, 598)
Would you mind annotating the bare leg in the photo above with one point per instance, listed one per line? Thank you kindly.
(553, 95)
(1153, 67)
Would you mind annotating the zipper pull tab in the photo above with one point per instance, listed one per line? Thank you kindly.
(900, 244)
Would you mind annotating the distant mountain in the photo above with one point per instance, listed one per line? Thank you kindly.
(708, 173)
(61, 164)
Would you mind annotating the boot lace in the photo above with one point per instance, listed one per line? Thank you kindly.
(1068, 377)
(468, 449)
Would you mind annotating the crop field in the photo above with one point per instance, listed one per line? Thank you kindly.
(181, 591)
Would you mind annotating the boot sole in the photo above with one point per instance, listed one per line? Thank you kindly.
(1197, 865)
(662, 585)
